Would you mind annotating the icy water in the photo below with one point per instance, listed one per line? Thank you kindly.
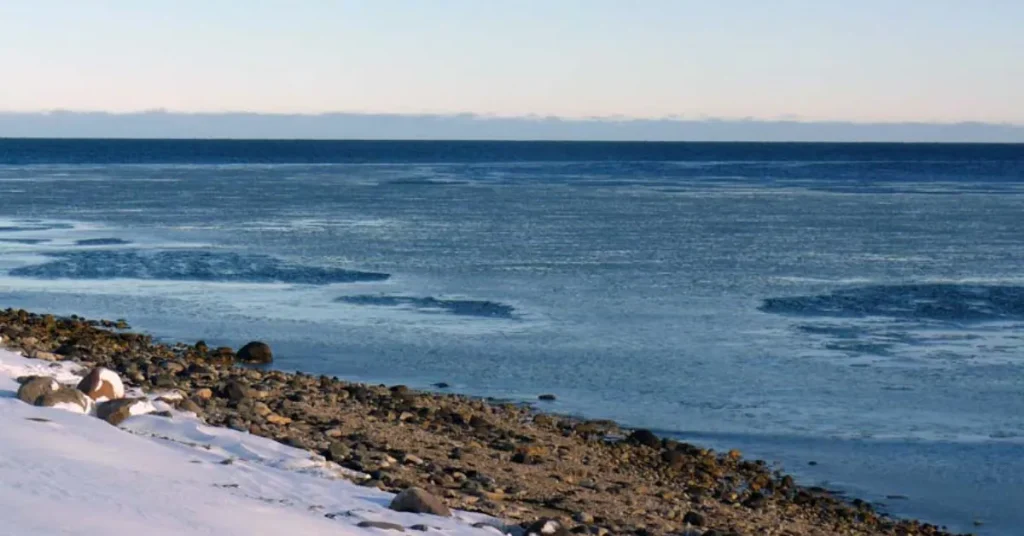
(860, 307)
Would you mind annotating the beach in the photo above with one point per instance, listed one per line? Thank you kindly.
(506, 460)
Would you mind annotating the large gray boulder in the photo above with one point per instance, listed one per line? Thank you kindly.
(34, 387)
(419, 501)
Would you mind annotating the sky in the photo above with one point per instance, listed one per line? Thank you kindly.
(810, 60)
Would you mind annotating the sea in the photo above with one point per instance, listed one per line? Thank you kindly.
(851, 313)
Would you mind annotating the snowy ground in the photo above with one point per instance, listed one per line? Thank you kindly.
(66, 473)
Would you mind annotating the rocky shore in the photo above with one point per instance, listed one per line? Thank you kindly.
(505, 460)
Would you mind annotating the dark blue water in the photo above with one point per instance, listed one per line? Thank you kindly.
(858, 305)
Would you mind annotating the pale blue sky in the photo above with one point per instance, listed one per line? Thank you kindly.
(853, 60)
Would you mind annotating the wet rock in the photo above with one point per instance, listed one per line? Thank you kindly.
(102, 384)
(547, 397)
(419, 501)
(66, 398)
(441, 385)
(645, 437)
(255, 352)
(34, 387)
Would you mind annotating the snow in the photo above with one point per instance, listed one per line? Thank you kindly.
(73, 474)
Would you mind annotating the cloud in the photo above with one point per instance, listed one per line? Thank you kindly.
(250, 125)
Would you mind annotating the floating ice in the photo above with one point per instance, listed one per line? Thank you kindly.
(187, 265)
(933, 301)
(455, 307)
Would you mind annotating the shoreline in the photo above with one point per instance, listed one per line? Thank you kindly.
(500, 458)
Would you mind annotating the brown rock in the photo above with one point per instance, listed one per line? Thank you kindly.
(419, 501)
(102, 384)
(274, 418)
(45, 356)
(116, 411)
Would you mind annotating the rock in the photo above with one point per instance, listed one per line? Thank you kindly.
(116, 411)
(274, 418)
(412, 459)
(583, 517)
(223, 354)
(338, 451)
(441, 385)
(255, 352)
(236, 391)
(531, 454)
(645, 437)
(546, 527)
(34, 387)
(419, 501)
(674, 459)
(66, 398)
(694, 518)
(102, 384)
(189, 406)
(45, 356)
(756, 500)
(381, 525)
(203, 394)
(547, 397)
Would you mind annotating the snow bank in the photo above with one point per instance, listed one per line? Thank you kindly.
(67, 473)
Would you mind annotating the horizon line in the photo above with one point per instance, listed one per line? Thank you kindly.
(4, 138)
(164, 124)
(613, 118)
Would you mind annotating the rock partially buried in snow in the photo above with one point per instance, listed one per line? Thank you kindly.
(419, 501)
(116, 411)
(255, 352)
(547, 527)
(102, 384)
(66, 398)
(383, 525)
(34, 387)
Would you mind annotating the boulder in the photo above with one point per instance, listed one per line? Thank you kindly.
(419, 501)
(255, 352)
(645, 437)
(116, 411)
(34, 387)
(547, 527)
(102, 384)
(66, 398)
